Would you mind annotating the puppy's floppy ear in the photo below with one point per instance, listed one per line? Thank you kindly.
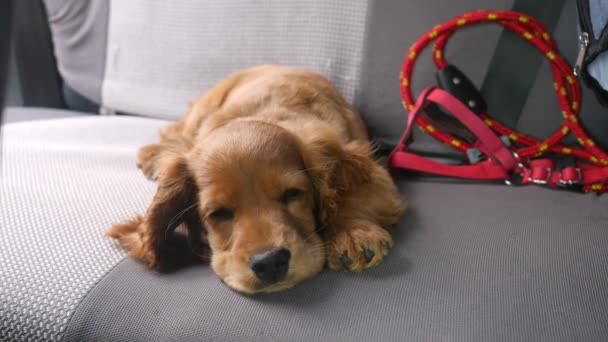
(151, 237)
(335, 169)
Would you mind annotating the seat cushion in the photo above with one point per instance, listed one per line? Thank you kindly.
(63, 182)
(471, 262)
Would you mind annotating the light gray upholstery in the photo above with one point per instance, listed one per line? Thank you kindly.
(153, 58)
(63, 183)
(161, 55)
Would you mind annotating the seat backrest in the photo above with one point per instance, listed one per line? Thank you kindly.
(152, 58)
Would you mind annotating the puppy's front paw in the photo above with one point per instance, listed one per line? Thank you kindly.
(357, 245)
(147, 160)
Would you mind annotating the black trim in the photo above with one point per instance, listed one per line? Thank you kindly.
(595, 48)
(595, 45)
(584, 18)
(35, 58)
(5, 39)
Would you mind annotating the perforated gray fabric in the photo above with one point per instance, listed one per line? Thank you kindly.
(64, 182)
(162, 55)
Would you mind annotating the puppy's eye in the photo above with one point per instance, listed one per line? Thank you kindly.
(222, 214)
(290, 195)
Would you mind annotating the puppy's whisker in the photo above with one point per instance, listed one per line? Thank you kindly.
(204, 257)
(317, 252)
(309, 237)
(301, 171)
(316, 248)
(177, 217)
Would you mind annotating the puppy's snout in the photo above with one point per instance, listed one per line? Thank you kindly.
(270, 266)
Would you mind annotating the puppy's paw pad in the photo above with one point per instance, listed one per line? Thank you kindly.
(345, 260)
(358, 246)
(368, 254)
(147, 158)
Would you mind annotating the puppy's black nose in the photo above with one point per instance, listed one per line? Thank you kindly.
(270, 266)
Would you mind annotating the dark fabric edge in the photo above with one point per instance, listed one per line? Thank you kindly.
(65, 332)
(105, 54)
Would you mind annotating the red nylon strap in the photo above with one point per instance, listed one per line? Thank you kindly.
(593, 176)
(412, 117)
(497, 168)
(542, 171)
(489, 143)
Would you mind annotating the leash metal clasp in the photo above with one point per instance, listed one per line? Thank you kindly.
(517, 175)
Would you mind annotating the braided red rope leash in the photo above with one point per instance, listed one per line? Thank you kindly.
(592, 175)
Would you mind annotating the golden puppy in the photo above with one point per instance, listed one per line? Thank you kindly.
(271, 175)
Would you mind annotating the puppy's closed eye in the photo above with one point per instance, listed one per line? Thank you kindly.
(221, 214)
(291, 195)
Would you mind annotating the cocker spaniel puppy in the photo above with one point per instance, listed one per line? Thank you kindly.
(271, 176)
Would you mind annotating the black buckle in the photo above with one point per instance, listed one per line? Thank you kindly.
(454, 81)
(516, 179)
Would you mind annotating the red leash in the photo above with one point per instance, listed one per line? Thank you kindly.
(513, 159)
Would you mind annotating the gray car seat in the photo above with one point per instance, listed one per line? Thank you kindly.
(472, 262)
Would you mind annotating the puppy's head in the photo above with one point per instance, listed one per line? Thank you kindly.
(263, 197)
(257, 204)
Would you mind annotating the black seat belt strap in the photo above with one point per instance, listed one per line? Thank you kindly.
(5, 37)
(35, 58)
(514, 66)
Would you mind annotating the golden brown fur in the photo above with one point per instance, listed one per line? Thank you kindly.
(271, 157)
